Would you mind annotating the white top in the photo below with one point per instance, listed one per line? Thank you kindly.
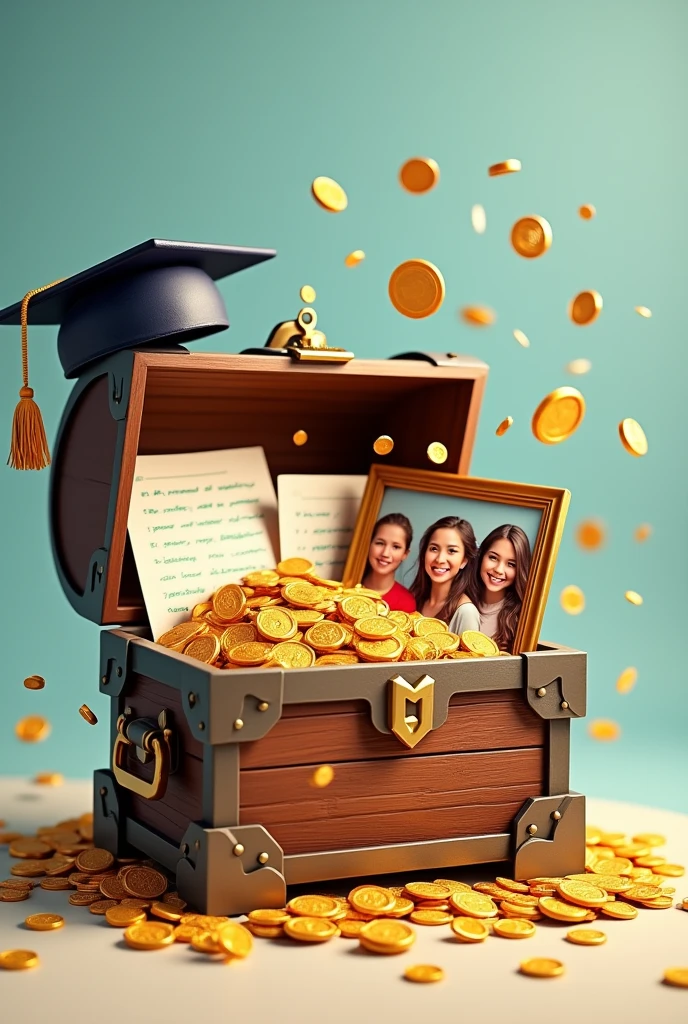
(465, 617)
(489, 614)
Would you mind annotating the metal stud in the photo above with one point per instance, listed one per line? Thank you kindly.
(565, 705)
(201, 726)
(238, 723)
(238, 850)
(119, 670)
(263, 706)
(263, 858)
(541, 692)
(556, 815)
(103, 791)
(197, 844)
(103, 679)
(184, 848)
(532, 829)
(191, 699)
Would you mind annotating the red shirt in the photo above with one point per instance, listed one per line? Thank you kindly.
(399, 599)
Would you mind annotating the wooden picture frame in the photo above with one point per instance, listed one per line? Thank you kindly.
(551, 502)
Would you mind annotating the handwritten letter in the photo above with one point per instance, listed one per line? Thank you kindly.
(317, 515)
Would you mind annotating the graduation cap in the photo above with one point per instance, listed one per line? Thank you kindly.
(157, 291)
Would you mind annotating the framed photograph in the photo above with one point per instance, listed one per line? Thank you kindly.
(477, 554)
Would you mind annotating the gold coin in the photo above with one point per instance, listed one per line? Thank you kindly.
(149, 935)
(620, 911)
(558, 416)
(251, 653)
(431, 917)
(419, 174)
(268, 917)
(29, 848)
(322, 776)
(303, 595)
(633, 597)
(579, 366)
(341, 658)
(295, 567)
(585, 308)
(354, 258)
(669, 870)
(504, 426)
(427, 890)
(375, 627)
(177, 637)
(383, 445)
(122, 917)
(235, 939)
(633, 437)
(505, 167)
(204, 941)
(516, 910)
(240, 632)
(229, 602)
(203, 648)
(604, 729)
(353, 608)
(444, 641)
(559, 910)
(643, 311)
(386, 936)
(300, 437)
(572, 600)
(167, 911)
(437, 452)
(276, 624)
(514, 928)
(389, 649)
(583, 894)
(470, 929)
(453, 886)
(402, 907)
(14, 895)
(88, 715)
(512, 885)
(587, 211)
(186, 932)
(522, 339)
(473, 904)
(325, 636)
(676, 976)
(650, 839)
(372, 899)
(416, 288)
(17, 959)
(329, 194)
(424, 973)
(542, 967)
(144, 883)
(290, 654)
(314, 906)
(49, 779)
(310, 929)
(590, 534)
(627, 680)
(32, 729)
(307, 294)
(478, 643)
(478, 219)
(608, 882)
(478, 316)
(94, 860)
(531, 236)
(34, 682)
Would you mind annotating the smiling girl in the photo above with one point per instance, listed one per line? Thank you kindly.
(498, 583)
(389, 547)
(447, 550)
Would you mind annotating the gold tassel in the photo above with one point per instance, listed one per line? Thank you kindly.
(29, 447)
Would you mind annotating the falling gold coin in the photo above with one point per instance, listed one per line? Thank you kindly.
(437, 452)
(579, 367)
(505, 167)
(322, 776)
(424, 973)
(522, 339)
(590, 534)
(558, 415)
(479, 316)
(419, 174)
(504, 426)
(585, 307)
(17, 959)
(676, 976)
(383, 445)
(49, 779)
(300, 437)
(633, 598)
(478, 219)
(307, 294)
(586, 937)
(642, 533)
(643, 311)
(572, 600)
(32, 729)
(34, 682)
(633, 437)
(542, 967)
(354, 258)
(329, 194)
(587, 211)
(88, 715)
(604, 729)
(627, 680)
(531, 236)
(416, 288)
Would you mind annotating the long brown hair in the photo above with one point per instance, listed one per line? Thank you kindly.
(507, 620)
(391, 519)
(422, 585)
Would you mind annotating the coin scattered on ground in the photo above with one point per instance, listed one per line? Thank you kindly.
(32, 729)
(585, 307)
(590, 534)
(322, 776)
(676, 976)
(586, 937)
(558, 415)
(604, 729)
(419, 174)
(633, 437)
(88, 715)
(300, 437)
(49, 779)
(531, 236)
(542, 967)
(572, 600)
(478, 316)
(627, 680)
(522, 339)
(34, 682)
(633, 598)
(307, 294)
(643, 311)
(504, 426)
(478, 219)
(416, 288)
(642, 533)
(17, 959)
(587, 211)
(329, 194)
(579, 367)
(505, 167)
(44, 922)
(437, 452)
(354, 258)
(423, 973)
(383, 445)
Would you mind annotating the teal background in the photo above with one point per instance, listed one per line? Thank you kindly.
(208, 122)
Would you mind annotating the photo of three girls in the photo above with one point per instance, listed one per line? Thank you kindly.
(466, 586)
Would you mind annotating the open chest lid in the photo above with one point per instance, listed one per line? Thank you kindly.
(145, 403)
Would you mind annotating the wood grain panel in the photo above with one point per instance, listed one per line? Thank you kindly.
(181, 803)
(147, 697)
(474, 725)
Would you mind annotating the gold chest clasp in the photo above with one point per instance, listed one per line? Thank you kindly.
(411, 728)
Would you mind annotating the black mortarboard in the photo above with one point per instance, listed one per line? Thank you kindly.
(157, 291)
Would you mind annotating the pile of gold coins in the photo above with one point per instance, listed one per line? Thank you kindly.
(621, 877)
(292, 618)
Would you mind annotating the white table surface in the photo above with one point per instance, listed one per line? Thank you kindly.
(87, 974)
